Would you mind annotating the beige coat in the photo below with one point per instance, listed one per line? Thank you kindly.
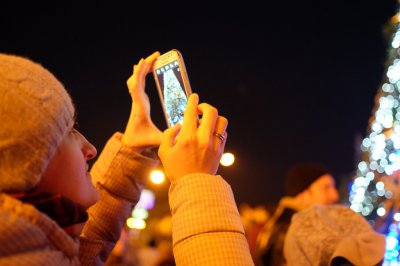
(206, 225)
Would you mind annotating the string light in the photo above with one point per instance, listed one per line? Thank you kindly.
(375, 192)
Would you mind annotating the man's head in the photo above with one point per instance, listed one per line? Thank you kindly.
(311, 183)
(38, 145)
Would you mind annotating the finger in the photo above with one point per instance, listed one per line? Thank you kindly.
(143, 68)
(221, 125)
(190, 115)
(147, 66)
(133, 81)
(208, 120)
(150, 60)
(220, 131)
(223, 142)
(168, 138)
(141, 74)
(170, 134)
(221, 147)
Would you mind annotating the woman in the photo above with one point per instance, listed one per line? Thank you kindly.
(53, 211)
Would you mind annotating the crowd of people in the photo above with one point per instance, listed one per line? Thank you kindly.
(54, 211)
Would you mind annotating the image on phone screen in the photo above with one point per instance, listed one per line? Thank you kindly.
(173, 92)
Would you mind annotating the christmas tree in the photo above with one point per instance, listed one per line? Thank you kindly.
(375, 192)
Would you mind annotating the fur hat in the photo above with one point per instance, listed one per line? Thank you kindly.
(301, 176)
(35, 113)
(321, 234)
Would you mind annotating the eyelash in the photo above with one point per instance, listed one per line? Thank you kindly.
(75, 128)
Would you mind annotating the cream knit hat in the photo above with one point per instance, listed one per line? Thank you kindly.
(319, 235)
(35, 114)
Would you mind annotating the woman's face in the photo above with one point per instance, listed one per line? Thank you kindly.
(68, 171)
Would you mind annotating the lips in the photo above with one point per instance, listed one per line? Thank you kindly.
(88, 175)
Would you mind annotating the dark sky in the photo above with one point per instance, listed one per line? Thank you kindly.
(296, 80)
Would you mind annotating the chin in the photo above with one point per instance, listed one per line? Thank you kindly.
(75, 230)
(90, 201)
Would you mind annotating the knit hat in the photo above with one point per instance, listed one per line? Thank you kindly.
(301, 176)
(322, 233)
(35, 114)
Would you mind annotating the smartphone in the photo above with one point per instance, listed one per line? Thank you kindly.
(173, 85)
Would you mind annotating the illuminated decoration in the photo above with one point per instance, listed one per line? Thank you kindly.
(157, 177)
(147, 200)
(140, 212)
(227, 159)
(375, 191)
(135, 223)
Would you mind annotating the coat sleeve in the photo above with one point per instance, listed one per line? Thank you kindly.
(206, 225)
(120, 175)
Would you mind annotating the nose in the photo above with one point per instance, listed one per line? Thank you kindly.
(334, 195)
(89, 151)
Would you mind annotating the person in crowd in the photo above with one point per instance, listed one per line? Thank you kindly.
(54, 211)
(253, 219)
(306, 184)
(332, 235)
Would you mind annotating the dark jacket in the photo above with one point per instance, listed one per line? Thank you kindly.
(271, 238)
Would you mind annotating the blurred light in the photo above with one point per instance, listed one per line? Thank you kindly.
(140, 213)
(376, 127)
(389, 195)
(391, 242)
(393, 72)
(357, 207)
(392, 157)
(359, 197)
(359, 181)
(136, 223)
(362, 166)
(366, 142)
(387, 87)
(370, 176)
(147, 200)
(380, 185)
(381, 211)
(396, 217)
(373, 165)
(227, 159)
(157, 177)
(366, 211)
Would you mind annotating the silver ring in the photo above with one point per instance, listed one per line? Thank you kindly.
(219, 135)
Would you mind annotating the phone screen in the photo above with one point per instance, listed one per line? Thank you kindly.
(172, 90)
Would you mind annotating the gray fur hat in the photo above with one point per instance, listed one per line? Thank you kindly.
(35, 114)
(320, 235)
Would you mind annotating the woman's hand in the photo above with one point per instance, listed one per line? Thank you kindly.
(140, 132)
(194, 147)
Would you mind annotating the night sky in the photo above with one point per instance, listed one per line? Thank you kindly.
(296, 80)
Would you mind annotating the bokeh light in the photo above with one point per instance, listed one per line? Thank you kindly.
(157, 177)
(227, 159)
